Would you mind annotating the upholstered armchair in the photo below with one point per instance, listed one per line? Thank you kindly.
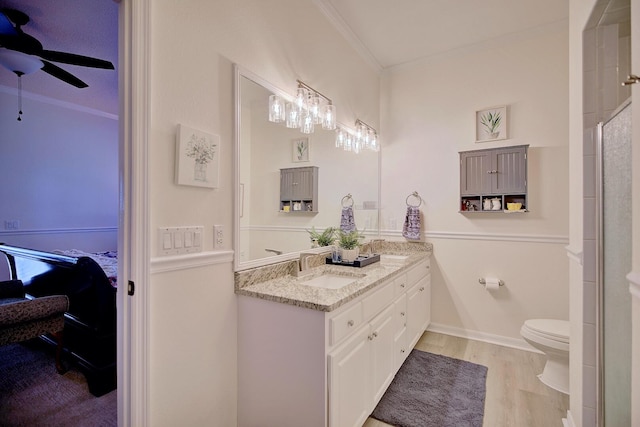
(22, 318)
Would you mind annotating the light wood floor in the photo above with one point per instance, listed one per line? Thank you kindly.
(515, 397)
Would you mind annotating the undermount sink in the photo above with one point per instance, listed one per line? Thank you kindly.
(384, 258)
(330, 281)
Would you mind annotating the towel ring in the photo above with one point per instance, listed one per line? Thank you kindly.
(347, 198)
(417, 196)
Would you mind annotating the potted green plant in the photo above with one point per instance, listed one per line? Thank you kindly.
(324, 238)
(349, 242)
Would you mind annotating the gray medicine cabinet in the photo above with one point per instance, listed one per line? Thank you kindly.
(299, 189)
(494, 180)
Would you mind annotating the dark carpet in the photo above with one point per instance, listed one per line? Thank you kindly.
(431, 390)
(33, 394)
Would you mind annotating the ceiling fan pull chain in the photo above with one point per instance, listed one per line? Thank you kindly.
(19, 97)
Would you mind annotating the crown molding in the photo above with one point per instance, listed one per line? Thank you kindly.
(343, 28)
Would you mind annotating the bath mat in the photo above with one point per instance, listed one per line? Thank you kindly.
(431, 390)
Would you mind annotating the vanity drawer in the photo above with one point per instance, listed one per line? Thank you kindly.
(417, 272)
(344, 323)
(375, 302)
(400, 284)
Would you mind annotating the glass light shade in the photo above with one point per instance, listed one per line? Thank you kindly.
(329, 117)
(307, 125)
(316, 104)
(357, 145)
(276, 109)
(302, 98)
(366, 138)
(360, 131)
(374, 142)
(340, 137)
(348, 142)
(292, 115)
(19, 62)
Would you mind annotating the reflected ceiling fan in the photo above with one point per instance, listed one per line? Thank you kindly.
(24, 54)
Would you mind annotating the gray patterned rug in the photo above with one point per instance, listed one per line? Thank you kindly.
(431, 390)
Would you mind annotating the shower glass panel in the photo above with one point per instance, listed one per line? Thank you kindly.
(614, 265)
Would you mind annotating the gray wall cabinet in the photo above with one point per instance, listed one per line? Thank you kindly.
(491, 179)
(299, 189)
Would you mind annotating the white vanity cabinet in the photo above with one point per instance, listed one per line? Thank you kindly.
(303, 367)
(360, 371)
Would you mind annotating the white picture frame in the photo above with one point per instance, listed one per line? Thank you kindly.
(491, 124)
(197, 157)
(300, 148)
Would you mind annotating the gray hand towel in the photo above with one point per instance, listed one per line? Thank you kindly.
(347, 224)
(411, 228)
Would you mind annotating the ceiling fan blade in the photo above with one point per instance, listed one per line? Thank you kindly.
(6, 28)
(63, 75)
(72, 58)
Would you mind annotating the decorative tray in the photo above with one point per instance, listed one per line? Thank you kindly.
(361, 261)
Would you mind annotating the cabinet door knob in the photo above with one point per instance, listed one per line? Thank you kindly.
(402, 313)
(350, 323)
(370, 338)
(631, 79)
(402, 286)
(492, 171)
(375, 334)
(422, 288)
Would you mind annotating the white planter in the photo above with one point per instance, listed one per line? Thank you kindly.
(350, 255)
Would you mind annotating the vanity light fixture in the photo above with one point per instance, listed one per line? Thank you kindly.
(307, 109)
(364, 137)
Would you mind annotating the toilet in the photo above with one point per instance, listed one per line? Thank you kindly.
(551, 337)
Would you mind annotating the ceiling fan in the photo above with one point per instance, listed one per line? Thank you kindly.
(24, 54)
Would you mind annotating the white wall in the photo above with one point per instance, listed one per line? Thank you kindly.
(428, 113)
(60, 175)
(193, 45)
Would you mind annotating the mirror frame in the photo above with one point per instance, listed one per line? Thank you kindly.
(239, 73)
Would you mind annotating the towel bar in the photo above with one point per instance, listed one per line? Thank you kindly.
(347, 198)
(417, 196)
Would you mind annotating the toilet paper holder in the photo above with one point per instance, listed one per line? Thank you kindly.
(483, 282)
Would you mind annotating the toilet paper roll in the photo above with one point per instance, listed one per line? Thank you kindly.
(491, 283)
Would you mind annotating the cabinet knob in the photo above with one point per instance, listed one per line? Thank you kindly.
(631, 79)
(402, 286)
(422, 288)
(375, 334)
(350, 323)
(402, 313)
(402, 350)
(492, 171)
(370, 338)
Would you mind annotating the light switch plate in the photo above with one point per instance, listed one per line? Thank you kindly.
(179, 240)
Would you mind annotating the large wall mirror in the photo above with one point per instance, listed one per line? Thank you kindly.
(264, 233)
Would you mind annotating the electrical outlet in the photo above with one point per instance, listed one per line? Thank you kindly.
(218, 236)
(13, 224)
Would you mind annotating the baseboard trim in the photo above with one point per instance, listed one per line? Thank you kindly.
(188, 261)
(519, 344)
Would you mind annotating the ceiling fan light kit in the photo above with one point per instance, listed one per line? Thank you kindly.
(22, 54)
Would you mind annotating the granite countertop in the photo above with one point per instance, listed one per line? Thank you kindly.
(290, 288)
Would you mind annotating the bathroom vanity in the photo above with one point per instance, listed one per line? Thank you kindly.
(320, 348)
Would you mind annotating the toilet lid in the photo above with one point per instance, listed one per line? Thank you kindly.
(557, 329)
